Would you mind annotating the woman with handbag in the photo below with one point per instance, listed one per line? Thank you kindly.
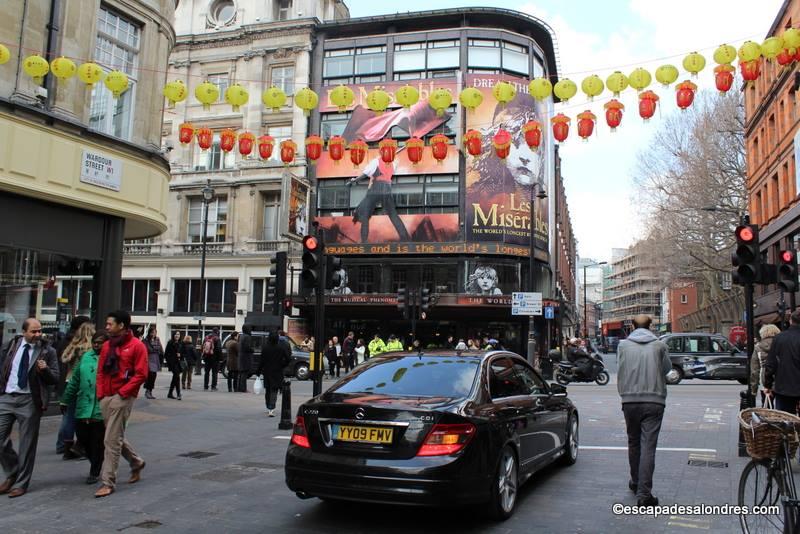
(767, 333)
(175, 363)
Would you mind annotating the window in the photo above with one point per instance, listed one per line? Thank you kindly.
(116, 48)
(283, 78)
(220, 296)
(280, 133)
(371, 59)
(365, 279)
(334, 124)
(283, 9)
(334, 195)
(483, 53)
(697, 344)
(222, 81)
(515, 58)
(337, 63)
(719, 344)
(222, 12)
(409, 57)
(217, 219)
(530, 380)
(215, 159)
(140, 296)
(684, 298)
(271, 210)
(399, 275)
(503, 381)
(443, 55)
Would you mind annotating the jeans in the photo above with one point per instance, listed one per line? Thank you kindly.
(186, 377)
(211, 367)
(151, 381)
(271, 392)
(334, 364)
(176, 380)
(233, 380)
(66, 432)
(643, 423)
(241, 380)
(91, 435)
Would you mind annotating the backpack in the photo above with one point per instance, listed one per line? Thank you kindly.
(208, 346)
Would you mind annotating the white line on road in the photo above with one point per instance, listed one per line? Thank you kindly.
(666, 449)
(281, 437)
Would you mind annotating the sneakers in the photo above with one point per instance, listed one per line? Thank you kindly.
(647, 501)
(271, 413)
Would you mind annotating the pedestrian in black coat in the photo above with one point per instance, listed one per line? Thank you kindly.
(782, 368)
(275, 356)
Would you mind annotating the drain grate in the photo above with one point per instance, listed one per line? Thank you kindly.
(198, 454)
(707, 463)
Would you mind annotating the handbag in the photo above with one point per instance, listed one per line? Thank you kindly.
(184, 365)
(258, 387)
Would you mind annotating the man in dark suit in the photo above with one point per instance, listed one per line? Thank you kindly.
(27, 368)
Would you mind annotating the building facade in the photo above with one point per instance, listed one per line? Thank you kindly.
(565, 252)
(80, 169)
(772, 144)
(590, 298)
(679, 300)
(634, 288)
(460, 227)
(258, 206)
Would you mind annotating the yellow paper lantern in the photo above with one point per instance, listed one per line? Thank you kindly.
(63, 68)
(306, 99)
(5, 55)
(724, 54)
(440, 100)
(540, 88)
(116, 82)
(592, 86)
(504, 92)
(771, 47)
(617, 82)
(90, 74)
(342, 97)
(175, 92)
(565, 89)
(640, 78)
(36, 67)
(749, 51)
(470, 98)
(406, 96)
(274, 98)
(378, 100)
(666, 74)
(206, 93)
(694, 63)
(236, 96)
(791, 38)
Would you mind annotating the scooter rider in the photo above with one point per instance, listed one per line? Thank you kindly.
(578, 356)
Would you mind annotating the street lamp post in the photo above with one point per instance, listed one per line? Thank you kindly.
(208, 196)
(585, 324)
(532, 269)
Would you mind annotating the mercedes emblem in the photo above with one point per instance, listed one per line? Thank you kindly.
(360, 413)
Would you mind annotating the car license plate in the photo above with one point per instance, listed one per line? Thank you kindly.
(363, 434)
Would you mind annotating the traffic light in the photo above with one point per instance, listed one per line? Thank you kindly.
(402, 302)
(276, 286)
(424, 299)
(333, 272)
(787, 271)
(311, 275)
(747, 258)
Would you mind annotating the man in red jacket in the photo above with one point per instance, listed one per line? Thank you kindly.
(121, 371)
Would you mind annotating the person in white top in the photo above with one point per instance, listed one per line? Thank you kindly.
(361, 351)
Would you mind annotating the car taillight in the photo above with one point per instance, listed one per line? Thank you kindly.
(446, 439)
(299, 434)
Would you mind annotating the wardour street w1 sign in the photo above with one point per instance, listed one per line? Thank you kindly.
(525, 303)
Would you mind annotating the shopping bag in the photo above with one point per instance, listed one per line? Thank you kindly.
(258, 387)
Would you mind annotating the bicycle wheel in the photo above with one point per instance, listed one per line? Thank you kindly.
(760, 485)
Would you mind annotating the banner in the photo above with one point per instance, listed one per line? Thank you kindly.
(419, 228)
(297, 213)
(498, 192)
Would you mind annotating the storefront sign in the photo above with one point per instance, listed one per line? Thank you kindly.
(101, 170)
(362, 299)
(425, 248)
(526, 303)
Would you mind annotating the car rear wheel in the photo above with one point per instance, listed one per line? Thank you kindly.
(301, 371)
(506, 483)
(571, 444)
(676, 377)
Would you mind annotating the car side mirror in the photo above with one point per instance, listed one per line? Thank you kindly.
(558, 390)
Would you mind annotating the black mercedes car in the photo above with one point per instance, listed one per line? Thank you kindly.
(432, 429)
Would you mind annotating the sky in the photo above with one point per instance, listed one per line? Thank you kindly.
(599, 38)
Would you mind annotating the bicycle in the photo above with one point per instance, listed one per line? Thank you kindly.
(769, 482)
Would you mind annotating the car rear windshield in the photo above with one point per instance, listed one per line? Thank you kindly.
(414, 376)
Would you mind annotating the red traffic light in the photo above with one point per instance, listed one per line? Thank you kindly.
(787, 256)
(310, 243)
(745, 233)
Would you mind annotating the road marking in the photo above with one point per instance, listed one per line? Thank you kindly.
(281, 437)
(687, 522)
(665, 449)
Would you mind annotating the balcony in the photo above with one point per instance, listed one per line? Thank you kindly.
(212, 249)
(227, 248)
(267, 246)
(142, 249)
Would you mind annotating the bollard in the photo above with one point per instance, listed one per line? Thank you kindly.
(286, 406)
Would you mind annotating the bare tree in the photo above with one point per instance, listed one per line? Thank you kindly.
(691, 189)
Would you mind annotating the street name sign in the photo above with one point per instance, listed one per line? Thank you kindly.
(524, 303)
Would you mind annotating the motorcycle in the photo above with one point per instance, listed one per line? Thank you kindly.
(566, 372)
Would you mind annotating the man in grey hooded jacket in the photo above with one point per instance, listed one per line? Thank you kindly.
(641, 381)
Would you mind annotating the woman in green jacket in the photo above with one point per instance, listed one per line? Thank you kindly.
(82, 390)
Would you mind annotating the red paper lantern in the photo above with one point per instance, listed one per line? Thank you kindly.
(265, 144)
(205, 138)
(647, 104)
(796, 54)
(185, 133)
(560, 127)
(288, 150)
(439, 144)
(723, 78)
(785, 57)
(586, 124)
(751, 70)
(684, 94)
(227, 140)
(336, 148)
(388, 150)
(358, 151)
(614, 110)
(533, 134)
(473, 142)
(314, 144)
(246, 141)
(414, 148)
(502, 143)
